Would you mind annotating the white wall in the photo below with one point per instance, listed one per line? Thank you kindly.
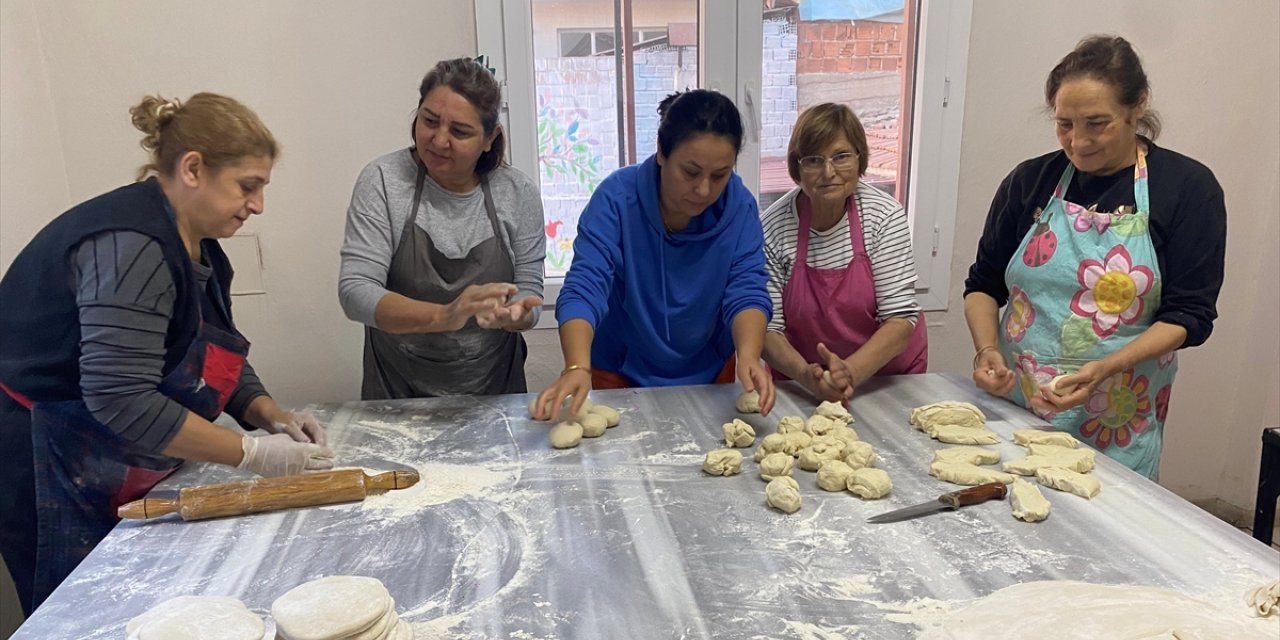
(1214, 69)
(335, 81)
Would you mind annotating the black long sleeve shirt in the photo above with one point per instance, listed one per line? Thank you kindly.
(1188, 229)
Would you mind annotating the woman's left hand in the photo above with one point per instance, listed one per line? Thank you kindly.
(1078, 386)
(302, 426)
(754, 378)
(516, 316)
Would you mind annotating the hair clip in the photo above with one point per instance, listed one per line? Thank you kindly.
(483, 61)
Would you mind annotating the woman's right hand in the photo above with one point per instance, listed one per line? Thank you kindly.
(280, 455)
(476, 299)
(991, 374)
(575, 383)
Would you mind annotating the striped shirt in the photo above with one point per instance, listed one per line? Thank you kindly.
(125, 294)
(885, 233)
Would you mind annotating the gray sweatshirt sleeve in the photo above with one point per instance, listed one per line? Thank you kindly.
(249, 388)
(125, 295)
(528, 238)
(367, 247)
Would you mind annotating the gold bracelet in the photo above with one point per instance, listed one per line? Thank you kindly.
(576, 367)
(981, 351)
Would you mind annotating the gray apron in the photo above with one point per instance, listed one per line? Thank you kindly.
(469, 361)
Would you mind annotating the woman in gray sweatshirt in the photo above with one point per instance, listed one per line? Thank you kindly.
(442, 259)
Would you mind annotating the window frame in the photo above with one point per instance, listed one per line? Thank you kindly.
(730, 61)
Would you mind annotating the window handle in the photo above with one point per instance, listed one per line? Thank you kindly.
(753, 115)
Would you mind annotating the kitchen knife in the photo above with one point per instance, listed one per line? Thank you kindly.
(946, 502)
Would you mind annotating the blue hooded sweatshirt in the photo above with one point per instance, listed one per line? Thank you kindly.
(662, 305)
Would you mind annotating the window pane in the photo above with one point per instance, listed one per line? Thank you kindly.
(848, 51)
(575, 45)
(583, 129)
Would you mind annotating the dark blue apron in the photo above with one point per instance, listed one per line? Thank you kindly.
(84, 471)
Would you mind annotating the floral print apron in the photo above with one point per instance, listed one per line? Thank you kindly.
(1082, 285)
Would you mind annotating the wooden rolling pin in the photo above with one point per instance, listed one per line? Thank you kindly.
(268, 494)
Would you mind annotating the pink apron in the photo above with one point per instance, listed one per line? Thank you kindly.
(837, 307)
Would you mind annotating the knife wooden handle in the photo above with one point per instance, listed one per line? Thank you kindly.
(975, 495)
(269, 494)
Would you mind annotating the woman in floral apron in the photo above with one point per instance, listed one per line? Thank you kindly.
(1106, 256)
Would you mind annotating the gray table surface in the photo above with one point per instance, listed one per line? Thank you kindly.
(625, 537)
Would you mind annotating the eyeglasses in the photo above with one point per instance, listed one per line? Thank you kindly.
(839, 162)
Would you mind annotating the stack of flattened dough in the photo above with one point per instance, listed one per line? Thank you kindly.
(339, 608)
(591, 422)
(953, 422)
(1057, 461)
(197, 618)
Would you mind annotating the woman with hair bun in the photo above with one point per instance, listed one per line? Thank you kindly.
(1107, 256)
(667, 285)
(118, 349)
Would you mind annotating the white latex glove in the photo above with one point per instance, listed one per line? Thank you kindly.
(302, 426)
(279, 455)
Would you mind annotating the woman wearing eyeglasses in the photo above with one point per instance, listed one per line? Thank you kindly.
(841, 273)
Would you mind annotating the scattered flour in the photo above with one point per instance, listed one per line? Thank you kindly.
(440, 483)
(810, 631)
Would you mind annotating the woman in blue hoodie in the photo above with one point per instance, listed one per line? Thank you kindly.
(668, 277)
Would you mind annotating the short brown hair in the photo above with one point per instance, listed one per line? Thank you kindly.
(221, 129)
(817, 127)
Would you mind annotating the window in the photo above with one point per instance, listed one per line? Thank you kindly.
(581, 43)
(899, 64)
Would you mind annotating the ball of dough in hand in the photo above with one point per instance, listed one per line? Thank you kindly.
(748, 402)
(593, 425)
(1063, 389)
(610, 415)
(783, 494)
(723, 462)
(566, 435)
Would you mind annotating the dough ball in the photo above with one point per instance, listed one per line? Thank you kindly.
(776, 465)
(533, 406)
(818, 425)
(829, 441)
(783, 494)
(1063, 389)
(846, 435)
(566, 435)
(610, 415)
(870, 483)
(812, 457)
(772, 443)
(723, 462)
(835, 410)
(738, 434)
(859, 455)
(331, 607)
(593, 425)
(796, 442)
(748, 402)
(790, 424)
(833, 475)
(193, 616)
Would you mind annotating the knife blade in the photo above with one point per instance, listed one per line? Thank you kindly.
(945, 502)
